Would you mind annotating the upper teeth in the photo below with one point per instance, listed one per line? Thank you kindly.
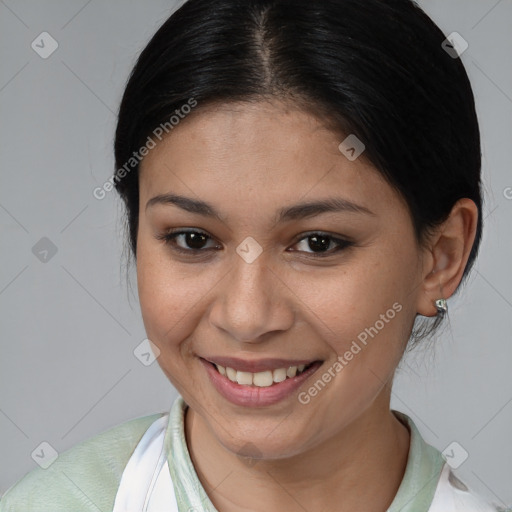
(260, 379)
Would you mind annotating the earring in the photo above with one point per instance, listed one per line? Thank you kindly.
(441, 306)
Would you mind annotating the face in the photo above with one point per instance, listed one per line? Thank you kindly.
(264, 285)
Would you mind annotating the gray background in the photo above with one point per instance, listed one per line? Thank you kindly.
(69, 326)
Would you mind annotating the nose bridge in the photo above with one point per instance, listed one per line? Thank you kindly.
(248, 305)
(250, 284)
(250, 271)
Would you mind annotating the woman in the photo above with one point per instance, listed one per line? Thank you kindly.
(302, 182)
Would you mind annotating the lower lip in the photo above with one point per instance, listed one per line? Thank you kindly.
(254, 396)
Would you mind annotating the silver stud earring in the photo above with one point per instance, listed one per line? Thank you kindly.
(441, 306)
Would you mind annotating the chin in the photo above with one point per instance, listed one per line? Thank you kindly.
(264, 446)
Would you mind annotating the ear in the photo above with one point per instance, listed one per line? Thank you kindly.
(446, 255)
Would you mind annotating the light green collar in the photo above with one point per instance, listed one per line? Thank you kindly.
(415, 493)
(189, 492)
(424, 465)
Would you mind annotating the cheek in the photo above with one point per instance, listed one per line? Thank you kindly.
(363, 304)
(172, 299)
(167, 318)
(162, 294)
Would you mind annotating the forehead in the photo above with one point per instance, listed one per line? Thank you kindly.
(259, 154)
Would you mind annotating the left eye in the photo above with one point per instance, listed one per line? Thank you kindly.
(196, 240)
(322, 242)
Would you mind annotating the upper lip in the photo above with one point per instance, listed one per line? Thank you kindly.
(255, 366)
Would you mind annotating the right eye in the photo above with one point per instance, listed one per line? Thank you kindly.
(195, 240)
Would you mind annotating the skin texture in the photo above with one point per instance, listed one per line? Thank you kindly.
(344, 450)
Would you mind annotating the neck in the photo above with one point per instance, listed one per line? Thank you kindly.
(360, 468)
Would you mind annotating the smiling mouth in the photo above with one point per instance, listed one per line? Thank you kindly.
(262, 379)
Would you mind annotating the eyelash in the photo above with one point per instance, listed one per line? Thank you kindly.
(170, 236)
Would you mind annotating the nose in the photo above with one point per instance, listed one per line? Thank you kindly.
(252, 301)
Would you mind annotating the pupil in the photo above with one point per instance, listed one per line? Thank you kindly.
(319, 242)
(193, 240)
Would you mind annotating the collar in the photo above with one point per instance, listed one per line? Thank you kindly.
(415, 494)
(422, 473)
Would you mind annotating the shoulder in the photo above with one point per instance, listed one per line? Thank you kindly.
(452, 495)
(82, 478)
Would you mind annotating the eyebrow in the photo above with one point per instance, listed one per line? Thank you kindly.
(295, 212)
